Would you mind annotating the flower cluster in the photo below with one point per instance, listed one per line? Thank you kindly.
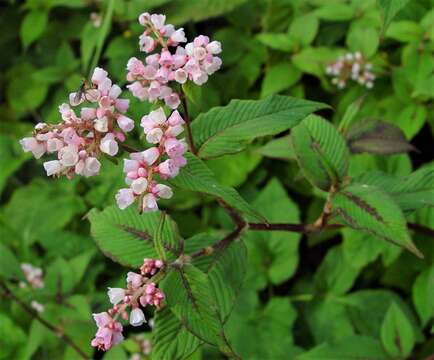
(354, 67)
(80, 140)
(140, 292)
(33, 276)
(151, 80)
(142, 166)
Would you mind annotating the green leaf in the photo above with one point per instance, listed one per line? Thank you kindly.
(226, 275)
(159, 238)
(273, 255)
(9, 265)
(280, 148)
(304, 28)
(410, 192)
(180, 11)
(33, 26)
(350, 114)
(89, 37)
(321, 152)
(405, 31)
(377, 137)
(277, 41)
(422, 293)
(369, 209)
(390, 8)
(125, 236)
(189, 297)
(228, 129)
(314, 60)
(397, 333)
(411, 119)
(171, 340)
(335, 12)
(351, 348)
(336, 274)
(279, 77)
(196, 176)
(363, 39)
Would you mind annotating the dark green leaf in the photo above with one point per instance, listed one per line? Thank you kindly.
(33, 26)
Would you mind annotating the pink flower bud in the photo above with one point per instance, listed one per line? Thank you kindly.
(121, 105)
(109, 145)
(88, 113)
(163, 191)
(154, 136)
(181, 76)
(149, 203)
(146, 43)
(168, 168)
(166, 58)
(150, 155)
(175, 119)
(142, 172)
(137, 317)
(130, 165)
(135, 280)
(139, 186)
(172, 101)
(68, 155)
(53, 167)
(214, 47)
(174, 147)
(114, 92)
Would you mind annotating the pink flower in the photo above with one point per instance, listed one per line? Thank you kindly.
(53, 167)
(178, 36)
(163, 191)
(135, 66)
(121, 105)
(109, 332)
(153, 119)
(154, 136)
(30, 144)
(181, 76)
(168, 168)
(138, 90)
(125, 123)
(172, 100)
(150, 155)
(175, 147)
(91, 167)
(124, 198)
(166, 58)
(116, 295)
(137, 317)
(146, 43)
(139, 185)
(109, 145)
(135, 280)
(175, 119)
(68, 155)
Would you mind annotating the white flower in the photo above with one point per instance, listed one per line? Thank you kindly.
(124, 198)
(109, 145)
(91, 167)
(154, 136)
(137, 317)
(116, 295)
(68, 156)
(101, 124)
(149, 203)
(163, 191)
(214, 47)
(53, 167)
(150, 155)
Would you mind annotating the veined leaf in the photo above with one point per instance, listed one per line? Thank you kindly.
(171, 340)
(321, 152)
(196, 176)
(423, 290)
(377, 137)
(409, 192)
(280, 148)
(189, 297)
(125, 236)
(397, 333)
(228, 129)
(367, 208)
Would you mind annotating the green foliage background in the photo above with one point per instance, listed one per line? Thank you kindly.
(337, 295)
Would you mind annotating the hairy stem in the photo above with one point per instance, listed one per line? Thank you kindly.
(57, 331)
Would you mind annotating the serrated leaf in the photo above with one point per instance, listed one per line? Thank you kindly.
(377, 137)
(397, 333)
(226, 275)
(228, 129)
(171, 340)
(410, 192)
(321, 152)
(196, 176)
(33, 26)
(159, 238)
(369, 209)
(390, 9)
(189, 297)
(125, 236)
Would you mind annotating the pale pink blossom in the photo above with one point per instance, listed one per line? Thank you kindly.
(124, 198)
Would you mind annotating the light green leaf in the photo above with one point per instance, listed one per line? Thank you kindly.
(422, 293)
(279, 77)
(180, 11)
(33, 26)
(397, 333)
(404, 31)
(304, 28)
(350, 114)
(125, 236)
(390, 9)
(363, 39)
(9, 265)
(273, 254)
(335, 12)
(277, 41)
(321, 152)
(314, 60)
(171, 340)
(196, 176)
(350, 348)
(369, 209)
(280, 148)
(12, 157)
(228, 129)
(89, 37)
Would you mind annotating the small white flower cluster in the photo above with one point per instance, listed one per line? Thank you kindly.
(351, 67)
